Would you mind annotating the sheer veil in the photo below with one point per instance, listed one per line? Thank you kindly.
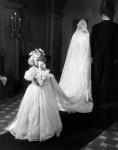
(75, 79)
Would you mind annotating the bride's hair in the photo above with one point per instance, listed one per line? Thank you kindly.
(82, 25)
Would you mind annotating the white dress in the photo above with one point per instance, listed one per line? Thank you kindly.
(75, 81)
(38, 117)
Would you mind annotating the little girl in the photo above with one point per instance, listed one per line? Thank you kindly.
(38, 117)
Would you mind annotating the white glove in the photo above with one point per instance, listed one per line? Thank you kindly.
(3, 79)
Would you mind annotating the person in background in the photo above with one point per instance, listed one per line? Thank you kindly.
(102, 51)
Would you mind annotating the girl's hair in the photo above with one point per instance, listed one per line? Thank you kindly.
(37, 53)
(82, 25)
(31, 61)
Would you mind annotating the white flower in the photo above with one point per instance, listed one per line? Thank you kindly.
(31, 53)
(37, 51)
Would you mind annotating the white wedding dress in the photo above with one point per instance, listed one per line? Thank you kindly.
(75, 81)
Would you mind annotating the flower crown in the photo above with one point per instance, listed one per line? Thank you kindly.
(38, 51)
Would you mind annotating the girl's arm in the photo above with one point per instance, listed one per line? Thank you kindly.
(30, 74)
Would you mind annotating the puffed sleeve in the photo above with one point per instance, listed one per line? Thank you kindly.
(30, 74)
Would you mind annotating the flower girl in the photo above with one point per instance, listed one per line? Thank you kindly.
(38, 116)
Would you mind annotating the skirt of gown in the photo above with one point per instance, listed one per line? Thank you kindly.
(38, 117)
(75, 81)
(67, 104)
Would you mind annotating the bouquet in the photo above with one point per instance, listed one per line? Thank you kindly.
(42, 77)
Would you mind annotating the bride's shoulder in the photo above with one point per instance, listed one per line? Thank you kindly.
(85, 34)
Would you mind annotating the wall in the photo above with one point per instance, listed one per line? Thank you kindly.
(7, 50)
(34, 33)
(36, 23)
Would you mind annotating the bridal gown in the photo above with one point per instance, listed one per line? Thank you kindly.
(75, 81)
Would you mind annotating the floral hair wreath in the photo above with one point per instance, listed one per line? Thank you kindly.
(38, 51)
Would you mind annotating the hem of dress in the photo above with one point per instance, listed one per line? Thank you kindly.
(37, 139)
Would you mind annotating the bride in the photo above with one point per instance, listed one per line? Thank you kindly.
(75, 81)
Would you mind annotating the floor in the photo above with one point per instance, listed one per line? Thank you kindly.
(107, 140)
(94, 131)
